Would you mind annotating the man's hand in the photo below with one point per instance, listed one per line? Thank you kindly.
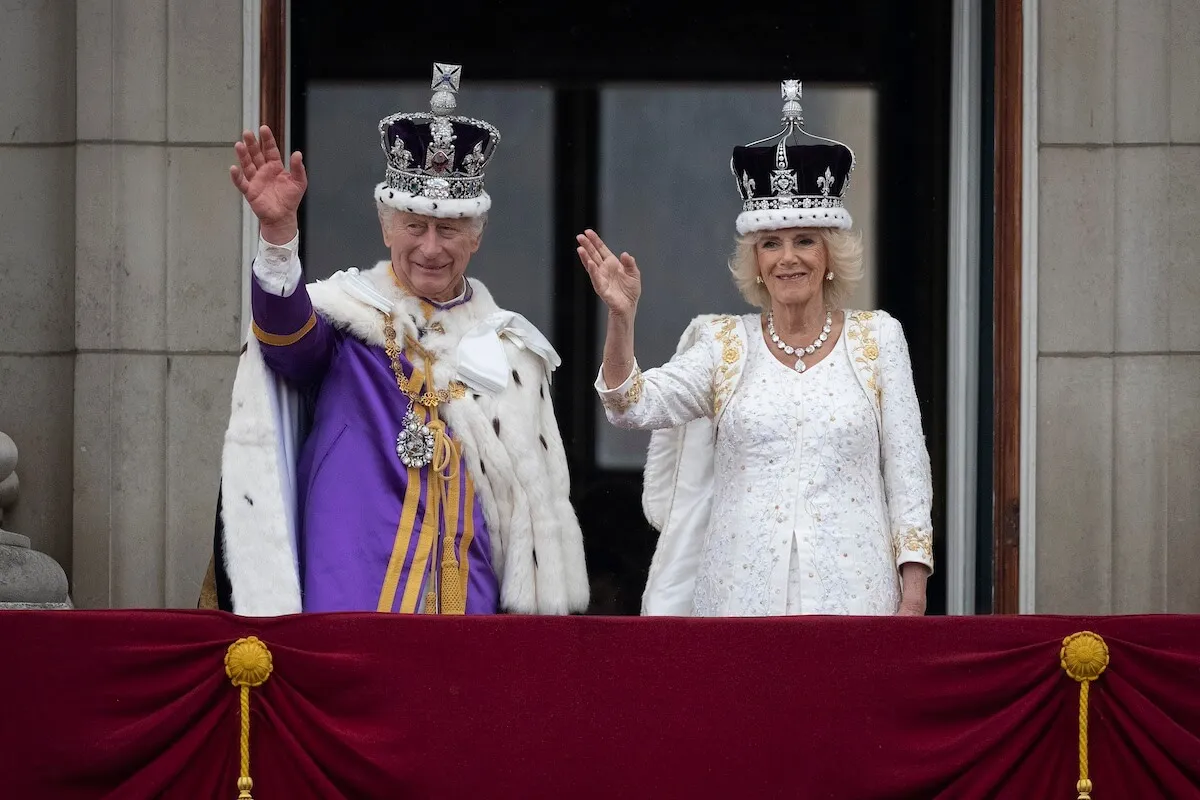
(273, 193)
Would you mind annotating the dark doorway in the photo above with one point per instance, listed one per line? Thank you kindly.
(578, 60)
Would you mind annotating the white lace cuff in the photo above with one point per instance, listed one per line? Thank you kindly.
(277, 268)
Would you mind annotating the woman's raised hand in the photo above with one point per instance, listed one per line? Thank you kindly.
(616, 280)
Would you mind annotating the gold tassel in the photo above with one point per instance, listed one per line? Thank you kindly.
(247, 663)
(442, 471)
(1084, 657)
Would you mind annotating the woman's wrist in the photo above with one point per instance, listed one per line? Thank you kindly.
(913, 580)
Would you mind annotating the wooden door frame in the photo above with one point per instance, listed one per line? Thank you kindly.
(1007, 259)
(1007, 289)
(273, 68)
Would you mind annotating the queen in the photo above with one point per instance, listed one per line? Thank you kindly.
(787, 471)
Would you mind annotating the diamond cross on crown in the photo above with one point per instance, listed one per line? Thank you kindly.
(446, 77)
(791, 91)
(445, 86)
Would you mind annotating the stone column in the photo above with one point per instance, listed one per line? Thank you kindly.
(158, 292)
(1118, 410)
(28, 579)
(37, 271)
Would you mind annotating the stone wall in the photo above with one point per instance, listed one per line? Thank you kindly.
(1118, 401)
(120, 262)
(158, 292)
(37, 262)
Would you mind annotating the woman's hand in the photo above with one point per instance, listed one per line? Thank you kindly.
(913, 578)
(272, 192)
(616, 280)
(911, 607)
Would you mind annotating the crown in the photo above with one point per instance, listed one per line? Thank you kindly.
(800, 185)
(435, 160)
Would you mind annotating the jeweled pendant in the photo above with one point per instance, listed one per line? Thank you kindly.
(414, 445)
(800, 365)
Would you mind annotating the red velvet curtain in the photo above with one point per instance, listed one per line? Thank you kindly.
(136, 705)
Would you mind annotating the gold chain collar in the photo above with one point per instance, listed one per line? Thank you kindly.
(412, 388)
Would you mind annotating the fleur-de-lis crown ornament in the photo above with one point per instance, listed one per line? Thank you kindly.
(793, 179)
(436, 159)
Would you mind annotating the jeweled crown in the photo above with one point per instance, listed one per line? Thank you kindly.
(435, 159)
(786, 185)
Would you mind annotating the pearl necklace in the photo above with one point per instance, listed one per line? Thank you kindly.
(802, 351)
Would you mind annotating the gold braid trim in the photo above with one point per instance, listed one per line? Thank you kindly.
(446, 589)
(247, 664)
(277, 340)
(1084, 657)
(444, 585)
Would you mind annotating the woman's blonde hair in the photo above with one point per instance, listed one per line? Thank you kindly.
(844, 258)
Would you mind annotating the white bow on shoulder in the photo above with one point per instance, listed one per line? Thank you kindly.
(482, 363)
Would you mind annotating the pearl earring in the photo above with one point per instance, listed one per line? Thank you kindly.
(828, 276)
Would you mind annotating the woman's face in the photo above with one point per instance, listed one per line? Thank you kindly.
(793, 263)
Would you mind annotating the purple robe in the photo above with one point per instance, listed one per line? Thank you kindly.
(364, 539)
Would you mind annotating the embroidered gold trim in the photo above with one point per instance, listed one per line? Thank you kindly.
(400, 545)
(620, 403)
(731, 354)
(914, 540)
(426, 542)
(464, 547)
(866, 349)
(276, 340)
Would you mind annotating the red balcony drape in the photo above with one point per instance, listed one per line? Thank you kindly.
(136, 704)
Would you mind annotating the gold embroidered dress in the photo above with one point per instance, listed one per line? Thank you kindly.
(820, 484)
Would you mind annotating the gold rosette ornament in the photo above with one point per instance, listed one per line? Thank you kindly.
(248, 664)
(1084, 657)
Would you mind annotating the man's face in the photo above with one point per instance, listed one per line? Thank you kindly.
(430, 255)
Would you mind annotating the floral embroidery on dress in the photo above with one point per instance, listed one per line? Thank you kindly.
(797, 464)
(731, 353)
(811, 483)
(620, 403)
(866, 349)
(915, 540)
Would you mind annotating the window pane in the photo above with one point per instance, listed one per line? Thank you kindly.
(345, 162)
(667, 196)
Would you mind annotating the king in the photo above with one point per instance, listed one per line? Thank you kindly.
(392, 445)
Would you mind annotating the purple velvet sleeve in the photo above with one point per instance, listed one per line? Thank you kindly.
(296, 343)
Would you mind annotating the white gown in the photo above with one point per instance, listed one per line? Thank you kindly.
(803, 518)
